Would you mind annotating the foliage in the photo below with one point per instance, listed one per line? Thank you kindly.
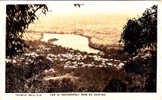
(141, 33)
(18, 18)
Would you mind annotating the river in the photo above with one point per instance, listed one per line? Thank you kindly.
(73, 41)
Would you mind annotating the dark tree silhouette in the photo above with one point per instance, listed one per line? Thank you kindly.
(141, 33)
(18, 18)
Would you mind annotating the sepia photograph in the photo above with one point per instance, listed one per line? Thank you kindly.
(72, 47)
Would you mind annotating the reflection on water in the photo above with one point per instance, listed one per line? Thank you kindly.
(73, 41)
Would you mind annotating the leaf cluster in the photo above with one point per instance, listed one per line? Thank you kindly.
(141, 33)
(18, 18)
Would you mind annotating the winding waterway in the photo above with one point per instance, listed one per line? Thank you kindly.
(73, 41)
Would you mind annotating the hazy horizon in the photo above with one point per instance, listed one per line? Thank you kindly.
(103, 21)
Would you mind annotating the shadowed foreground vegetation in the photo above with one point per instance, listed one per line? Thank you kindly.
(50, 68)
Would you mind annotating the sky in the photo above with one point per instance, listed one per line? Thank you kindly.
(131, 7)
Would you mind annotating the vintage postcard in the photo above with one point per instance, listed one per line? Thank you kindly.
(79, 49)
